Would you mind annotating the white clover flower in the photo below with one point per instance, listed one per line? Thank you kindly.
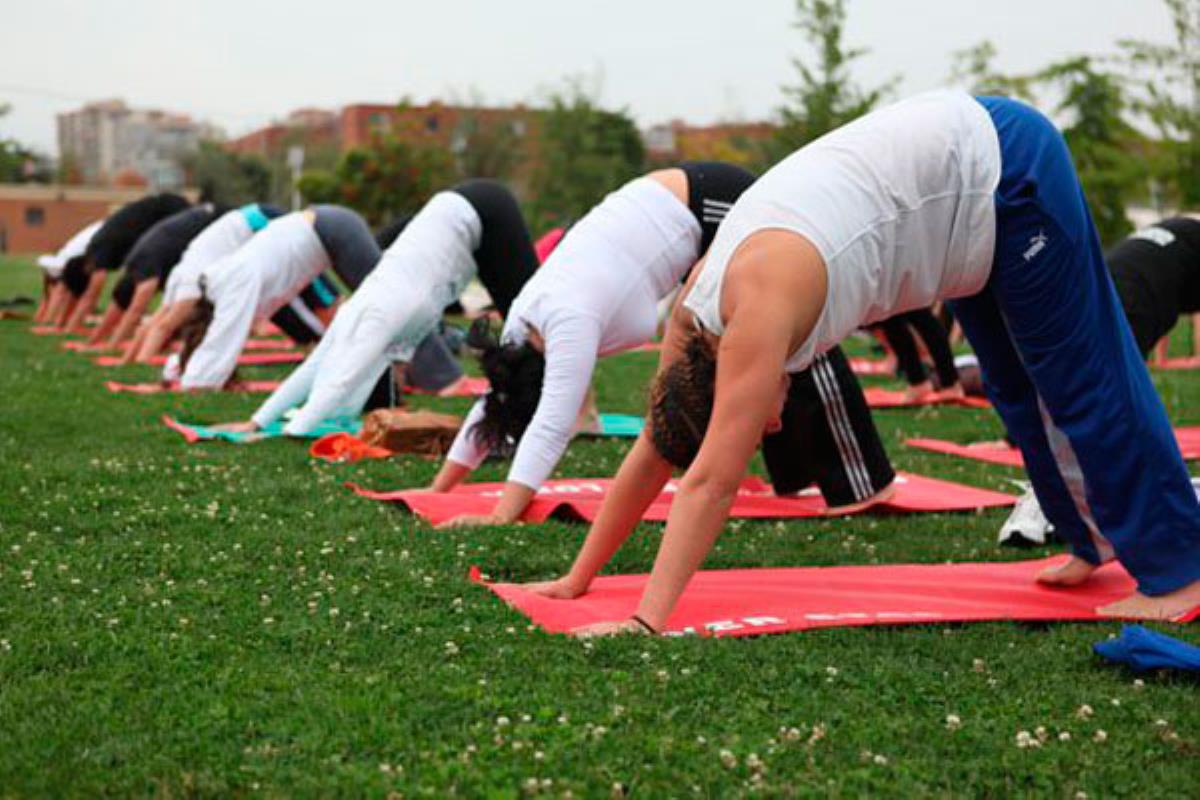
(1084, 711)
(1064, 736)
(728, 759)
(1100, 736)
(953, 722)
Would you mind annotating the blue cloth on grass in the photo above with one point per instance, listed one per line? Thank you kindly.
(1142, 649)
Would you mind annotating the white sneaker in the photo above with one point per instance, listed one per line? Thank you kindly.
(1027, 525)
(1196, 486)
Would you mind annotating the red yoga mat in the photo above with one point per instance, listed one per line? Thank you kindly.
(872, 366)
(251, 344)
(580, 499)
(469, 387)
(751, 602)
(888, 398)
(1192, 362)
(244, 360)
(993, 453)
(247, 387)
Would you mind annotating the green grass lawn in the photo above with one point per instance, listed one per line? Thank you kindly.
(211, 620)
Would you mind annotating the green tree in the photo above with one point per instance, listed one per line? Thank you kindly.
(18, 163)
(1101, 141)
(228, 178)
(586, 152)
(390, 176)
(1167, 81)
(973, 68)
(486, 148)
(826, 95)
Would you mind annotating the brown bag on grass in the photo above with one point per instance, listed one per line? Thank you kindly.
(421, 432)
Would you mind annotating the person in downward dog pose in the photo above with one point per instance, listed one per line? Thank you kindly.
(1157, 273)
(260, 278)
(107, 251)
(982, 205)
(474, 229)
(303, 319)
(147, 268)
(597, 295)
(54, 265)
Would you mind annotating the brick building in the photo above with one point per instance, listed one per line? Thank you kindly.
(357, 125)
(311, 127)
(37, 218)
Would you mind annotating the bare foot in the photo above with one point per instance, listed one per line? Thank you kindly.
(236, 427)
(882, 496)
(1072, 573)
(954, 392)
(1165, 606)
(918, 391)
(588, 421)
(453, 389)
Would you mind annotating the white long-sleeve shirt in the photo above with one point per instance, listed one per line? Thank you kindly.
(396, 306)
(251, 285)
(596, 295)
(220, 239)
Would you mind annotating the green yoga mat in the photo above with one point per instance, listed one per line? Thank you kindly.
(203, 433)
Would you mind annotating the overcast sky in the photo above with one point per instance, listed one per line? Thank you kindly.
(240, 63)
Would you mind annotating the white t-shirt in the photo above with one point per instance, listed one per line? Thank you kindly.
(76, 246)
(220, 239)
(596, 295)
(899, 204)
(252, 284)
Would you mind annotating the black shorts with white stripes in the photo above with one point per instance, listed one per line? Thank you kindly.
(828, 437)
(713, 188)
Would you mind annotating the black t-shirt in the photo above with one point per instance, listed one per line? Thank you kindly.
(1157, 274)
(160, 248)
(117, 236)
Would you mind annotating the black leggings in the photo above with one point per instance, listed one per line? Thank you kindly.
(898, 332)
(348, 241)
(298, 318)
(828, 437)
(713, 188)
(505, 258)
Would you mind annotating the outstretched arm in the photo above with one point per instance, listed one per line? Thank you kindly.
(772, 299)
(637, 483)
(87, 301)
(213, 362)
(163, 327)
(572, 344)
(108, 322)
(142, 295)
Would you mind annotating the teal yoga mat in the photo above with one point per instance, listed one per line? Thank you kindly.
(203, 433)
(622, 426)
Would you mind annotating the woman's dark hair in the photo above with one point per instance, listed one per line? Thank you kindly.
(681, 403)
(515, 373)
(193, 329)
